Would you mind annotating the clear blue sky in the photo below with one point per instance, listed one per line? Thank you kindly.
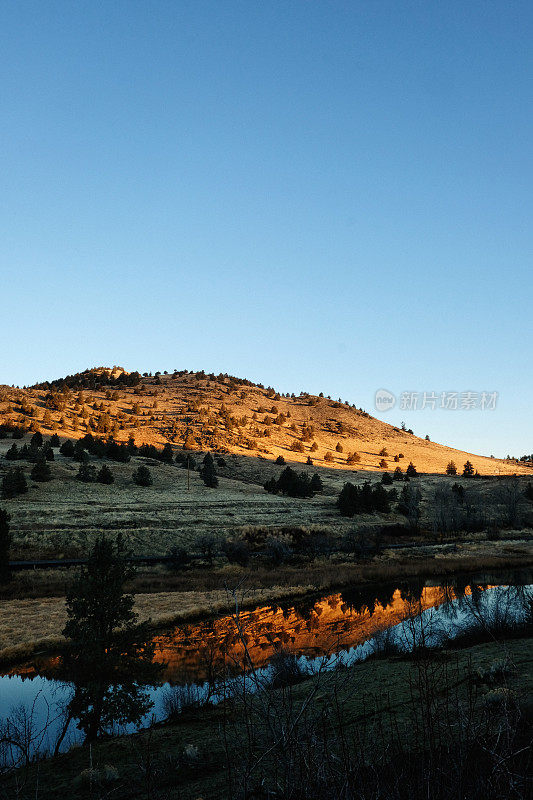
(329, 196)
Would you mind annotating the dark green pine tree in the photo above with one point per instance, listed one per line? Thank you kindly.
(208, 472)
(14, 483)
(67, 449)
(36, 440)
(110, 656)
(105, 475)
(468, 470)
(316, 483)
(41, 471)
(5, 544)
(13, 452)
(142, 476)
(167, 455)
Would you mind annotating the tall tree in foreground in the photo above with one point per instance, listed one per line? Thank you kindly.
(5, 543)
(110, 657)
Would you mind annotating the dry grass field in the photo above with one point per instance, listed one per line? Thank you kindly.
(60, 518)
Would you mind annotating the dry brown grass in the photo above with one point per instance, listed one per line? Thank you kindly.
(61, 518)
(202, 401)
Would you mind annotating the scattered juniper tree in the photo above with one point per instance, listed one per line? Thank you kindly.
(13, 452)
(41, 471)
(167, 455)
(142, 476)
(411, 470)
(468, 470)
(36, 440)
(86, 473)
(451, 469)
(105, 475)
(208, 472)
(316, 483)
(67, 449)
(14, 483)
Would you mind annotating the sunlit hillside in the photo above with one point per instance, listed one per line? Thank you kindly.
(199, 411)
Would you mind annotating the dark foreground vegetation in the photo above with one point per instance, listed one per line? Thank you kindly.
(422, 718)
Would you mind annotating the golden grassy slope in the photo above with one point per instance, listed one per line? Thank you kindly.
(219, 413)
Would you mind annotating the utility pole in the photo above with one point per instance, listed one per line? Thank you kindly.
(187, 431)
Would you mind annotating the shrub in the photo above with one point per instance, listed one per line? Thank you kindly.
(451, 469)
(14, 483)
(339, 448)
(353, 458)
(105, 475)
(177, 699)
(294, 484)
(179, 558)
(41, 471)
(236, 551)
(13, 453)
(383, 464)
(386, 479)
(67, 449)
(142, 476)
(328, 456)
(86, 473)
(383, 452)
(36, 440)
(285, 670)
(398, 474)
(309, 461)
(363, 500)
(280, 460)
(277, 551)
(314, 447)
(297, 446)
(316, 483)
(207, 546)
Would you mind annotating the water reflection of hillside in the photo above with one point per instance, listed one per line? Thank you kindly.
(333, 623)
(196, 652)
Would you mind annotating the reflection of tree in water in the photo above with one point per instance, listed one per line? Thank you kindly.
(110, 659)
(411, 590)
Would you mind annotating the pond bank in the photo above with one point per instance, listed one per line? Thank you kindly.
(31, 626)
